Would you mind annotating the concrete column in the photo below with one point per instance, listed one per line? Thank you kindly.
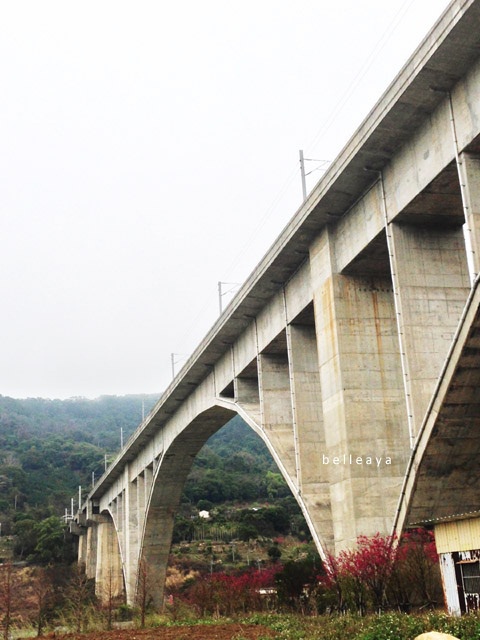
(366, 435)
(126, 529)
(148, 480)
(246, 390)
(91, 553)
(276, 408)
(82, 548)
(432, 286)
(309, 429)
(153, 562)
(469, 166)
(141, 501)
(131, 537)
(247, 395)
(108, 576)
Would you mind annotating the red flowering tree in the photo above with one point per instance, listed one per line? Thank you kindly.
(372, 564)
(416, 579)
(380, 572)
(333, 580)
(228, 594)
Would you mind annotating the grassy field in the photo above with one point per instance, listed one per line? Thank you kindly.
(386, 626)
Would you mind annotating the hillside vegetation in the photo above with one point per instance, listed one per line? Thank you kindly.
(240, 542)
(48, 448)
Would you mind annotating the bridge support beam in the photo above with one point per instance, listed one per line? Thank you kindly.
(276, 408)
(91, 552)
(470, 177)
(309, 430)
(108, 574)
(364, 413)
(132, 534)
(432, 284)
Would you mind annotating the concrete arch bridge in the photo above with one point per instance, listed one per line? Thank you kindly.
(332, 349)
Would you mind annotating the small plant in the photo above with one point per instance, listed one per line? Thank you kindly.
(125, 613)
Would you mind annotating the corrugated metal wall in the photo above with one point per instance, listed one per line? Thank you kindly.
(460, 535)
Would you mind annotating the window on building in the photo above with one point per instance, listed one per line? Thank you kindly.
(471, 576)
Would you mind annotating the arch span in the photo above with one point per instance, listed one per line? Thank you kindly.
(167, 485)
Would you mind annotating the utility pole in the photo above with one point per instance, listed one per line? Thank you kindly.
(322, 164)
(222, 293)
(302, 173)
(174, 362)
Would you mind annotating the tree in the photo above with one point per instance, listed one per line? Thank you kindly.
(8, 590)
(416, 578)
(80, 597)
(274, 552)
(50, 544)
(43, 593)
(380, 572)
(25, 537)
(297, 581)
(276, 486)
(372, 564)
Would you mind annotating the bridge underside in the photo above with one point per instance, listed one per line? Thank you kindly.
(444, 476)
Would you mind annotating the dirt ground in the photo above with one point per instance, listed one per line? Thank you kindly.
(232, 631)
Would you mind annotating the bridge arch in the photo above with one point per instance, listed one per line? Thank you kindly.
(167, 486)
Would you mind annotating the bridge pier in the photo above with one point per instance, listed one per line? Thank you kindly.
(432, 284)
(363, 402)
(308, 424)
(109, 582)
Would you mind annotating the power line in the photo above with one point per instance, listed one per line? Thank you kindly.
(380, 44)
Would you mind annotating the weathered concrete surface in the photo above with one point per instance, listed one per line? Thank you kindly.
(334, 345)
(443, 478)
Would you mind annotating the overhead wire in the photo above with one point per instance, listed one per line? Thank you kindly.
(372, 56)
(330, 120)
(380, 44)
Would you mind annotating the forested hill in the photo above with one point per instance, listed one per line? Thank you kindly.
(50, 447)
(98, 421)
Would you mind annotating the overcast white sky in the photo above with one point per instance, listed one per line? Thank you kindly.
(149, 150)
